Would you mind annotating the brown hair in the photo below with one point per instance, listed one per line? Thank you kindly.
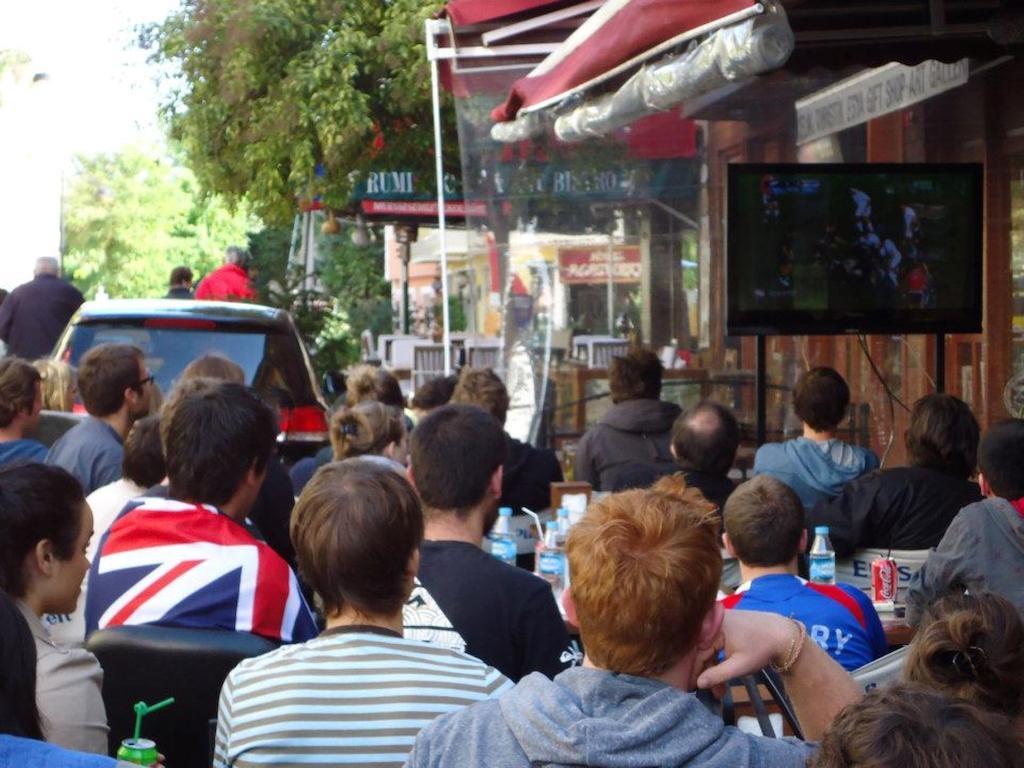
(212, 436)
(433, 393)
(764, 519)
(821, 398)
(180, 276)
(213, 366)
(972, 647)
(455, 451)
(104, 373)
(354, 528)
(635, 376)
(943, 435)
(19, 382)
(645, 568)
(366, 382)
(908, 726)
(483, 388)
(143, 462)
(366, 428)
(58, 379)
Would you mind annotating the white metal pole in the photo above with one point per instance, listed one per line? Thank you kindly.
(439, 167)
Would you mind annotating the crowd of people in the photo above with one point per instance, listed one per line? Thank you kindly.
(401, 640)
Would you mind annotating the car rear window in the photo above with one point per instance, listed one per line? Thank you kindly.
(272, 361)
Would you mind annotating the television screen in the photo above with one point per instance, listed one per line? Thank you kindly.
(847, 248)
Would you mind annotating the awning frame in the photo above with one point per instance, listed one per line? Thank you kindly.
(692, 34)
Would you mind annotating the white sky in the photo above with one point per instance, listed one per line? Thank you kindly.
(104, 90)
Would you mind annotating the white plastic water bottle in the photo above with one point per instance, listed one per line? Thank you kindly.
(822, 557)
(551, 560)
(563, 525)
(503, 544)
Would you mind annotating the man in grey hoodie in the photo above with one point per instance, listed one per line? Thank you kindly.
(817, 464)
(636, 432)
(983, 548)
(645, 567)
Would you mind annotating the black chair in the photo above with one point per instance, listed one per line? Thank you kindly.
(777, 703)
(148, 663)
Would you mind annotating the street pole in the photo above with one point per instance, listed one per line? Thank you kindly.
(405, 255)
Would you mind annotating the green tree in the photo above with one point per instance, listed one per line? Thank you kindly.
(134, 215)
(351, 295)
(276, 98)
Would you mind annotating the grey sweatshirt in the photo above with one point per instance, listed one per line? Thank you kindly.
(636, 433)
(982, 550)
(589, 717)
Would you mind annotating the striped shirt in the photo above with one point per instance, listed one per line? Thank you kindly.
(355, 696)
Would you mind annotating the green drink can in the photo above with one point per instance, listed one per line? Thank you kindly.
(138, 752)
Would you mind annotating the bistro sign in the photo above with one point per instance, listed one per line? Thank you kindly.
(578, 266)
(874, 93)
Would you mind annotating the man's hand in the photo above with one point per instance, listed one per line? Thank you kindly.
(817, 686)
(751, 640)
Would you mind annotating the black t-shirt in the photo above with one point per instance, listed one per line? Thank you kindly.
(504, 616)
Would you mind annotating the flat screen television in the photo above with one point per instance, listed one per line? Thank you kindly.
(854, 248)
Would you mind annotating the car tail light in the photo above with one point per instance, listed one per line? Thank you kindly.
(306, 423)
(180, 322)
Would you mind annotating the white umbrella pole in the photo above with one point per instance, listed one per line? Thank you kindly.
(439, 167)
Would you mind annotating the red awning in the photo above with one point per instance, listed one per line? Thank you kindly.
(463, 12)
(619, 32)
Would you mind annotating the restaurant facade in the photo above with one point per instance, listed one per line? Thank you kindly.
(592, 224)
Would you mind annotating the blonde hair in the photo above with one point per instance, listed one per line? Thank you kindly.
(58, 379)
(365, 428)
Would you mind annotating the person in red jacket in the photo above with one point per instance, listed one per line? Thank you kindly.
(230, 281)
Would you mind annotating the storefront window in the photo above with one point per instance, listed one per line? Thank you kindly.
(592, 246)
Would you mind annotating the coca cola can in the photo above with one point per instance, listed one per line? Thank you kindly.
(885, 580)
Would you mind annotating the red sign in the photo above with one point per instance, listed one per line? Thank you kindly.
(421, 208)
(578, 266)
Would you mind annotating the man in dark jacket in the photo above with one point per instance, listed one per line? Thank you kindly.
(180, 284)
(528, 472)
(983, 549)
(910, 507)
(34, 314)
(704, 442)
(636, 432)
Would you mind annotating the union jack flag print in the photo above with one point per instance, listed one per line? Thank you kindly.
(189, 565)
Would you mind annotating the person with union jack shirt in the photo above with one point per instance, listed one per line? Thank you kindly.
(193, 560)
(764, 530)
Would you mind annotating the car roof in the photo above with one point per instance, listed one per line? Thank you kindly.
(219, 311)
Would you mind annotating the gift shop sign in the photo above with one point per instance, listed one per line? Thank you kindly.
(874, 93)
(577, 266)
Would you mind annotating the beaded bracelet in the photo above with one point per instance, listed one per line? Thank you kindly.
(796, 647)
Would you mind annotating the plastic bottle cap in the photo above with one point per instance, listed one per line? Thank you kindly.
(552, 526)
(821, 530)
(563, 512)
(505, 511)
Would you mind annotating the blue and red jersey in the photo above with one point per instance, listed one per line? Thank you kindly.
(839, 618)
(189, 565)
